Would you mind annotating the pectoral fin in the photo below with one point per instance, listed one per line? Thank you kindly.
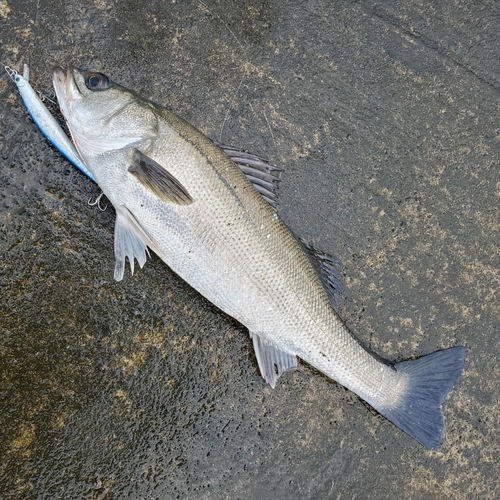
(272, 360)
(158, 180)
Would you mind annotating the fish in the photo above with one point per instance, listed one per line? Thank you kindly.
(44, 120)
(179, 194)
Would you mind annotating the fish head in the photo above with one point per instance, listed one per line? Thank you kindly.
(102, 116)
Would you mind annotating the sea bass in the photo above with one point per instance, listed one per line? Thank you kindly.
(181, 195)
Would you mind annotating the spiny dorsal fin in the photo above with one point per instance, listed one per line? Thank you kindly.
(259, 171)
(158, 180)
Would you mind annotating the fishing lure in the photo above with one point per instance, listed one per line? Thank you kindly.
(45, 121)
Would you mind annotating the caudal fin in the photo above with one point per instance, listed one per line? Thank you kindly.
(430, 379)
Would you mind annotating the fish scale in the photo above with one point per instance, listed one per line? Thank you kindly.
(179, 194)
(288, 305)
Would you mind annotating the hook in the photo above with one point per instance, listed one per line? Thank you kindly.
(98, 203)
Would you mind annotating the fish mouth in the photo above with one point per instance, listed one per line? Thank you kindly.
(67, 93)
(59, 73)
(65, 85)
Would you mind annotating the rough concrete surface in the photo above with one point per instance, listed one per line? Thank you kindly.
(385, 118)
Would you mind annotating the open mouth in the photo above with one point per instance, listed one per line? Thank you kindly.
(59, 78)
(65, 85)
(59, 73)
(67, 92)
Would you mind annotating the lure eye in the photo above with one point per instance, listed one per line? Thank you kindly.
(97, 81)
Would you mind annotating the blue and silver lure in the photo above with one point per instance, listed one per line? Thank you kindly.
(45, 121)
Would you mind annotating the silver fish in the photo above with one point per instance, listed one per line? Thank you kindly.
(179, 194)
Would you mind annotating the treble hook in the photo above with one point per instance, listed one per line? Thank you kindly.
(98, 203)
(43, 97)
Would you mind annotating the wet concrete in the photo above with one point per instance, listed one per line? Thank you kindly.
(385, 119)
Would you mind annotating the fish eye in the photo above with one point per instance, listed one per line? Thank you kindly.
(97, 81)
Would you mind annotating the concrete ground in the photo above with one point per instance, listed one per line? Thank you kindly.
(385, 118)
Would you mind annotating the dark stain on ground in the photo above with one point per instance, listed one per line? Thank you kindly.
(385, 118)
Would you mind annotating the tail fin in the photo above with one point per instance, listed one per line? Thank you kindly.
(431, 378)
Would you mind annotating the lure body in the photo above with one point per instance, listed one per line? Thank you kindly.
(46, 122)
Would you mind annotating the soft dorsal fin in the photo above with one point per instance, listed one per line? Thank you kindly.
(329, 270)
(158, 180)
(272, 360)
(259, 171)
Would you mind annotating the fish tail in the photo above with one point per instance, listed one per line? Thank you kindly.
(431, 377)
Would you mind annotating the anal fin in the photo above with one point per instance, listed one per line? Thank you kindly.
(272, 360)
